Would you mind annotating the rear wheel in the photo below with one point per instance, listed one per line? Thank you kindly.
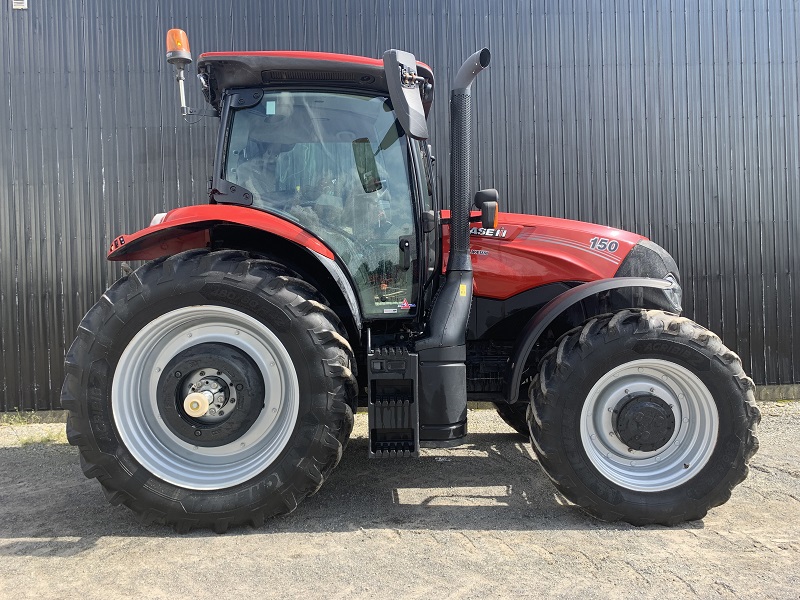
(209, 389)
(643, 416)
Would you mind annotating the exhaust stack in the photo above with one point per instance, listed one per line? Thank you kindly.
(442, 351)
(461, 159)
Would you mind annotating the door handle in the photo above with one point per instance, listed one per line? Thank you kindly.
(405, 253)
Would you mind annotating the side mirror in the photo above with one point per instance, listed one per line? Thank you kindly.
(487, 202)
(366, 166)
(403, 83)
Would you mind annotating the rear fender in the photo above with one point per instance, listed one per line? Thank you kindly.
(558, 305)
(188, 228)
(191, 227)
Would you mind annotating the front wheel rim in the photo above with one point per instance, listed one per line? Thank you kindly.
(689, 446)
(141, 426)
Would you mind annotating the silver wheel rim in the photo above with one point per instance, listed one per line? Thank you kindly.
(682, 457)
(159, 450)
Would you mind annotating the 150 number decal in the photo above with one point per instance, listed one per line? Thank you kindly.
(603, 244)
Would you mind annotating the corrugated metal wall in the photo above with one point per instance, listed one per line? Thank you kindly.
(677, 119)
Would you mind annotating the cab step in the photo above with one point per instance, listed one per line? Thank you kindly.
(393, 405)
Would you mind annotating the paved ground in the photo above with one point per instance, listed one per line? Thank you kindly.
(476, 522)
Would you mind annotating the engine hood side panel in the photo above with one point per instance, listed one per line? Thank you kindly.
(527, 251)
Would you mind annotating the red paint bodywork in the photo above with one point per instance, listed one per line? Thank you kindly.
(539, 250)
(531, 251)
(187, 228)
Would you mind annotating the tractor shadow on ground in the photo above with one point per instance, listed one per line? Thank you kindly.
(491, 483)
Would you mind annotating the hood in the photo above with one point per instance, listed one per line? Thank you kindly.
(527, 251)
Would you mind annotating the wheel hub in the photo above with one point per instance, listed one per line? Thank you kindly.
(643, 422)
(210, 394)
(217, 390)
(196, 404)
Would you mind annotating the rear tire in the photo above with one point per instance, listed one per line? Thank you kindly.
(260, 344)
(643, 416)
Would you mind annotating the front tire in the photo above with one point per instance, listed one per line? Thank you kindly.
(643, 416)
(514, 415)
(209, 389)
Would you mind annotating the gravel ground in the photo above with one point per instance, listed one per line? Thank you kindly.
(475, 522)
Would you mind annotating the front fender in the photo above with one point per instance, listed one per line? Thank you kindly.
(188, 228)
(542, 320)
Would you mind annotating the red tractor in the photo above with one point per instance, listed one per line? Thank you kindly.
(215, 385)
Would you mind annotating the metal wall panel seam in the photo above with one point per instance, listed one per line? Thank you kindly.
(781, 348)
(723, 171)
(793, 195)
(762, 115)
(7, 330)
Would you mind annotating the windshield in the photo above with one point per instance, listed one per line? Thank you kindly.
(335, 163)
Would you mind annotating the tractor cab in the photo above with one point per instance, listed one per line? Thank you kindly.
(314, 139)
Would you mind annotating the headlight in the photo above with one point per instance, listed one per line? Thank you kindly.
(675, 293)
(648, 259)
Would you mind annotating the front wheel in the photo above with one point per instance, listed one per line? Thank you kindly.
(643, 416)
(514, 415)
(209, 389)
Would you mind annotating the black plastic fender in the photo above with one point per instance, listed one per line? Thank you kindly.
(550, 311)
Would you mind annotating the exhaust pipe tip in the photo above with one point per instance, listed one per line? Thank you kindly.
(470, 69)
(484, 57)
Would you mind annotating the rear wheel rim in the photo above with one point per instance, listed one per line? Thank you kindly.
(141, 426)
(689, 445)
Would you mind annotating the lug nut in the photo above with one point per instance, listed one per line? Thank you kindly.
(198, 433)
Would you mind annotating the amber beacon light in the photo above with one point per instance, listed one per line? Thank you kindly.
(178, 52)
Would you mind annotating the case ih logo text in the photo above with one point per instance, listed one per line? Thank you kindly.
(500, 232)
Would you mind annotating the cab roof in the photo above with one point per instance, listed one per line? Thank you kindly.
(226, 70)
